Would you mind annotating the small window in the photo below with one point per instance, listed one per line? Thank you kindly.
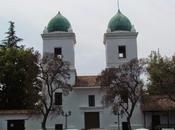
(91, 100)
(59, 127)
(122, 51)
(58, 52)
(58, 98)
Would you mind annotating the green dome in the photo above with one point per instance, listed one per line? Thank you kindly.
(58, 23)
(119, 22)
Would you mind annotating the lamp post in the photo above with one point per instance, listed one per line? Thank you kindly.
(118, 113)
(66, 115)
(118, 118)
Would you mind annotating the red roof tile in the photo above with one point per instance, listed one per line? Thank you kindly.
(157, 103)
(87, 81)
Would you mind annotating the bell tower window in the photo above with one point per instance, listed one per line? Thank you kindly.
(122, 52)
(58, 52)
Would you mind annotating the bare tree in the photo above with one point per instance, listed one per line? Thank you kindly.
(54, 77)
(123, 87)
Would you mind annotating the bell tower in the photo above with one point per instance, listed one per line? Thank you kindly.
(120, 41)
(59, 40)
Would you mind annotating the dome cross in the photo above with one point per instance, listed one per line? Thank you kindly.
(118, 4)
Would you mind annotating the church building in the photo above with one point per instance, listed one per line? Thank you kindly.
(84, 102)
(82, 107)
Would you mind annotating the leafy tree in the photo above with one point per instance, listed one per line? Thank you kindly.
(123, 87)
(161, 72)
(18, 74)
(18, 77)
(54, 77)
(11, 39)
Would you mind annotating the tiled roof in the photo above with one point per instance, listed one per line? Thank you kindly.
(87, 81)
(157, 103)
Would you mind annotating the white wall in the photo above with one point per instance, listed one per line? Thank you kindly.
(113, 40)
(77, 103)
(66, 41)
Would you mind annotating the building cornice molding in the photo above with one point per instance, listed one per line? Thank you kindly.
(96, 108)
(14, 112)
(119, 35)
(58, 35)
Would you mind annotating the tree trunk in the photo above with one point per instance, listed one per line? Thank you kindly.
(129, 123)
(43, 124)
(130, 115)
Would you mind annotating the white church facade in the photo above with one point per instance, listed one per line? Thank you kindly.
(83, 105)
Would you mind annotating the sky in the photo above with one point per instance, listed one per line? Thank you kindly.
(154, 20)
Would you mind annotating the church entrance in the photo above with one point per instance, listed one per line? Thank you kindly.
(92, 120)
(15, 125)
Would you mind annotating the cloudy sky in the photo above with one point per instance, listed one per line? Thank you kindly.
(153, 19)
